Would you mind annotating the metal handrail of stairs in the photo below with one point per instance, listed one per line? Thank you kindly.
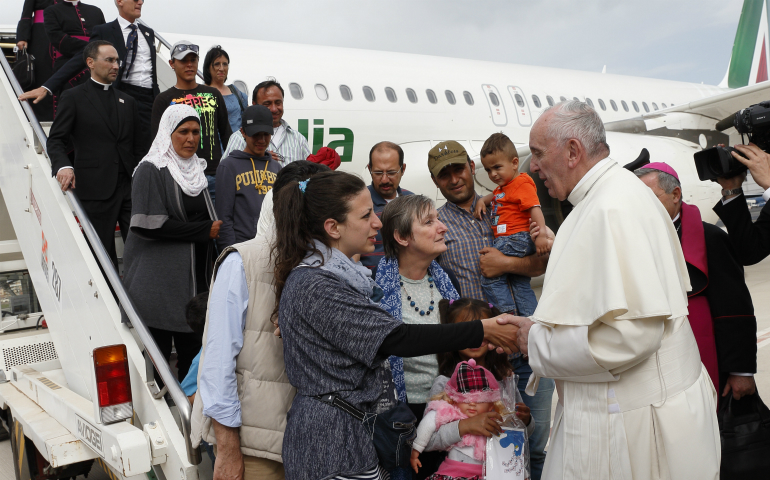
(151, 348)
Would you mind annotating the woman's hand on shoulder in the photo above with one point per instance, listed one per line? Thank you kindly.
(483, 424)
(214, 233)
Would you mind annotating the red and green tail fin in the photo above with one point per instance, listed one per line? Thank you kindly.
(749, 60)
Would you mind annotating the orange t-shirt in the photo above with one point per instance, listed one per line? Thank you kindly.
(510, 206)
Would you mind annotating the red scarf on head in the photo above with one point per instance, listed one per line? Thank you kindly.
(326, 156)
(694, 249)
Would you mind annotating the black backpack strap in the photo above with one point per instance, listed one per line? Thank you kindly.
(335, 401)
(236, 92)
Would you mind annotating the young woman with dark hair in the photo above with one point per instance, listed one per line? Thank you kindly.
(216, 67)
(336, 338)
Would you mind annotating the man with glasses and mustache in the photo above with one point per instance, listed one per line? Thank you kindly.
(207, 101)
(101, 122)
(386, 166)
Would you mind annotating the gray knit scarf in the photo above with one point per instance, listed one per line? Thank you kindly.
(353, 273)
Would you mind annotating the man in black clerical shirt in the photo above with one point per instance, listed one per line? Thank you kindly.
(101, 123)
(137, 75)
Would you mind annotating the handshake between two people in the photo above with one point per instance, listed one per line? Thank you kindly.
(507, 333)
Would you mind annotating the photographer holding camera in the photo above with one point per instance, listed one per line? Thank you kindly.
(751, 241)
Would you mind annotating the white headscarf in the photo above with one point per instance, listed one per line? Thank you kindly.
(187, 172)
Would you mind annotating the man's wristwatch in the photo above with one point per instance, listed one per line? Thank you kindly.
(734, 191)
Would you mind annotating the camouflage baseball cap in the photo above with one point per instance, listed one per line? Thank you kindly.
(445, 153)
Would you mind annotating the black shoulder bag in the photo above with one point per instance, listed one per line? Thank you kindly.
(24, 69)
(392, 432)
(745, 437)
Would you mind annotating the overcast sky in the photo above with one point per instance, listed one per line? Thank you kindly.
(687, 40)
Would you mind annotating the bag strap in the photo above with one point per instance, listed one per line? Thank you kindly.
(237, 92)
(335, 401)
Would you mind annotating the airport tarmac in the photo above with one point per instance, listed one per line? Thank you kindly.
(757, 278)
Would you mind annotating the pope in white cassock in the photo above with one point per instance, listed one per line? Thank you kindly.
(635, 402)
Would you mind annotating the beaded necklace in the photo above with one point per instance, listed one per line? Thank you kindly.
(412, 303)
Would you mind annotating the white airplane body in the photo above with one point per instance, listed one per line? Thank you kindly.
(354, 126)
(351, 99)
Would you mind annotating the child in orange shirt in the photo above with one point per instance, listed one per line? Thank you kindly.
(513, 203)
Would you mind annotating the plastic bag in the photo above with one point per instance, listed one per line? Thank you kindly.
(508, 454)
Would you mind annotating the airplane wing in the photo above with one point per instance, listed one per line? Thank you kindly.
(722, 105)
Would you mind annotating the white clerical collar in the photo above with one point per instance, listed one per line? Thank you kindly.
(677, 217)
(105, 85)
(72, 2)
(593, 170)
(124, 24)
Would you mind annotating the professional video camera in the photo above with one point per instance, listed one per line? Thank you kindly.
(754, 122)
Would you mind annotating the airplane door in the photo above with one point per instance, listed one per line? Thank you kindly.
(523, 114)
(496, 107)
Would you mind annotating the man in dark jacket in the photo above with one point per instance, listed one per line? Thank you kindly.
(137, 76)
(720, 306)
(751, 241)
(386, 166)
(101, 123)
(244, 178)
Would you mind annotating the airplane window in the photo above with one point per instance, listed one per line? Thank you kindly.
(369, 93)
(320, 90)
(519, 100)
(431, 96)
(536, 101)
(654, 105)
(391, 94)
(614, 105)
(468, 98)
(625, 105)
(411, 95)
(347, 95)
(296, 91)
(450, 97)
(601, 104)
(636, 107)
(589, 102)
(664, 105)
(493, 98)
(549, 99)
(563, 99)
(646, 108)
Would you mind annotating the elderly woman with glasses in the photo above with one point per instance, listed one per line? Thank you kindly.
(413, 283)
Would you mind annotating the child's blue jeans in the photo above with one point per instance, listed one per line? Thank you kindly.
(499, 289)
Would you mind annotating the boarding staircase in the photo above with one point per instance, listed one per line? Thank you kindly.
(47, 380)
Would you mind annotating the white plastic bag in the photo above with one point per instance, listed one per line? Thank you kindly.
(508, 454)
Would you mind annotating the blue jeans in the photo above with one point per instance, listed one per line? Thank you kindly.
(540, 406)
(519, 297)
(212, 186)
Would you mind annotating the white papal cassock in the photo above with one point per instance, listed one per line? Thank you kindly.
(635, 402)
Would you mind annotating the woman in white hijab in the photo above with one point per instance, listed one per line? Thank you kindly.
(169, 252)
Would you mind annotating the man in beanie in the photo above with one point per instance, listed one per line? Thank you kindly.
(720, 309)
(245, 178)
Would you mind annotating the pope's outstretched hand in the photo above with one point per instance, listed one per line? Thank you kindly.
(524, 325)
